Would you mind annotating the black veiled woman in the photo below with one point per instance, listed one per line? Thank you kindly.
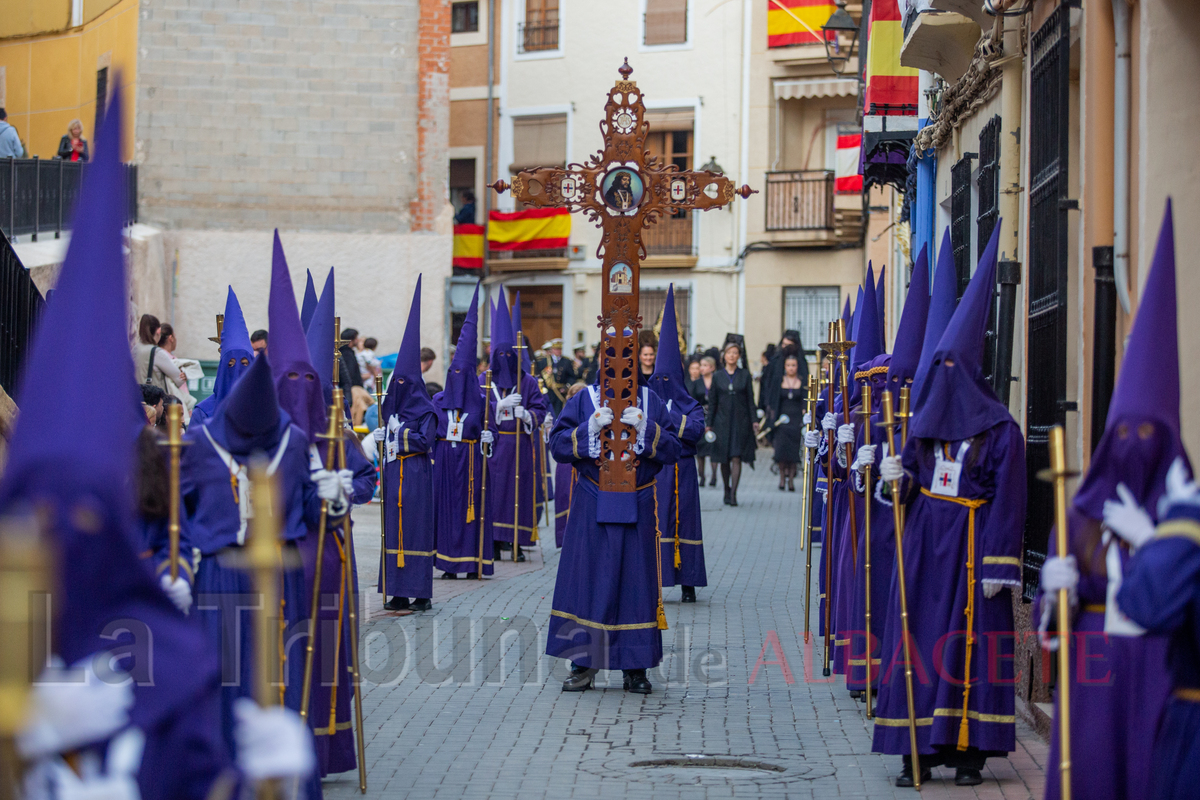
(790, 400)
(731, 401)
(699, 389)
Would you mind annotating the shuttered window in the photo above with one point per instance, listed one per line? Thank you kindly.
(665, 22)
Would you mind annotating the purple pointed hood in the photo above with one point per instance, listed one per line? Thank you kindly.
(910, 333)
(250, 418)
(236, 354)
(881, 305)
(310, 301)
(1141, 435)
(407, 397)
(462, 385)
(69, 462)
(867, 335)
(846, 312)
(319, 336)
(956, 401)
(518, 331)
(668, 378)
(296, 379)
(942, 303)
(504, 357)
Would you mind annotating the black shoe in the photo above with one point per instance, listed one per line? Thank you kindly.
(689, 594)
(472, 576)
(520, 555)
(713, 481)
(965, 776)
(791, 486)
(905, 780)
(582, 679)
(855, 694)
(422, 604)
(495, 551)
(449, 576)
(733, 499)
(636, 682)
(397, 604)
(726, 497)
(782, 488)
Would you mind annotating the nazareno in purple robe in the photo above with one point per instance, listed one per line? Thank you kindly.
(502, 482)
(607, 593)
(1161, 592)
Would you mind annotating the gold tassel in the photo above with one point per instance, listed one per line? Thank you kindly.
(662, 617)
(678, 560)
(400, 513)
(471, 487)
(662, 614)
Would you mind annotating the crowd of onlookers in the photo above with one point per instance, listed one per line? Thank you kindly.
(71, 147)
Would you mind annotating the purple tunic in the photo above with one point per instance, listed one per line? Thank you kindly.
(464, 530)
(409, 511)
(564, 489)
(1161, 592)
(501, 477)
(607, 592)
(942, 536)
(680, 527)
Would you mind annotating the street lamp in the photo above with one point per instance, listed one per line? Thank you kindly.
(841, 31)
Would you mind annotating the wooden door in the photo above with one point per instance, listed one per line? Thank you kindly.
(541, 313)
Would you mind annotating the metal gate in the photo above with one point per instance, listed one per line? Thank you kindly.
(1046, 403)
(20, 306)
(960, 220)
(989, 214)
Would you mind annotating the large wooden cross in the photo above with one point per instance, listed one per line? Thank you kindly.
(621, 188)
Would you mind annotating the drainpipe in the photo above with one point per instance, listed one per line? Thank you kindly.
(1104, 348)
(744, 163)
(1121, 153)
(489, 149)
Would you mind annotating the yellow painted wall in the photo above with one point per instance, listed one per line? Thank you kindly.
(51, 80)
(30, 17)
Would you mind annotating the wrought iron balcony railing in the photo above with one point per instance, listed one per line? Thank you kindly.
(38, 195)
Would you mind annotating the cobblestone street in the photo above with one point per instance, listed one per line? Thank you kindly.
(459, 701)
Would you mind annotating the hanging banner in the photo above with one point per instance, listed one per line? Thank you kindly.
(468, 246)
(792, 22)
(532, 229)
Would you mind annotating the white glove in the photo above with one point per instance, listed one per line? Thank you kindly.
(73, 708)
(179, 590)
(522, 413)
(379, 434)
(548, 422)
(992, 588)
(52, 778)
(487, 437)
(511, 401)
(347, 478)
(602, 418)
(1180, 487)
(329, 485)
(271, 742)
(845, 433)
(890, 469)
(812, 440)
(864, 457)
(807, 419)
(1060, 573)
(634, 416)
(829, 421)
(1127, 519)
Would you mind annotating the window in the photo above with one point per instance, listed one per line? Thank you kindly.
(101, 95)
(960, 220)
(653, 301)
(462, 185)
(464, 17)
(539, 141)
(665, 22)
(539, 31)
(810, 309)
(672, 233)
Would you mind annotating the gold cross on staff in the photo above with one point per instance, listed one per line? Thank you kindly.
(622, 189)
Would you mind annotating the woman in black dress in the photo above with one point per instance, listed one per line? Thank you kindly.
(789, 438)
(699, 389)
(731, 400)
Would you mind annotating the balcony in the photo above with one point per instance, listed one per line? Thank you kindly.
(38, 195)
(669, 243)
(803, 209)
(553, 258)
(537, 35)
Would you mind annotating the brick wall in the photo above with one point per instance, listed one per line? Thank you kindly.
(253, 114)
(433, 127)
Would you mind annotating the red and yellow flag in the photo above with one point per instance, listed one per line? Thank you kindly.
(889, 85)
(532, 229)
(792, 22)
(468, 246)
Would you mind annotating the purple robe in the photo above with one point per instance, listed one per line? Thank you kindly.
(680, 528)
(564, 490)
(464, 530)
(939, 537)
(502, 483)
(607, 592)
(1161, 592)
(409, 511)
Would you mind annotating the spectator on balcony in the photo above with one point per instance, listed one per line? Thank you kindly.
(258, 340)
(154, 364)
(10, 142)
(466, 214)
(72, 146)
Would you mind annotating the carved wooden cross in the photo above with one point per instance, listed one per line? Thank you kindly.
(621, 188)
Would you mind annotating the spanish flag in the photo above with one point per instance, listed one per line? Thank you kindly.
(468, 246)
(532, 229)
(797, 21)
(891, 88)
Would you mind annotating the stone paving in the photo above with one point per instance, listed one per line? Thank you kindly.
(460, 702)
